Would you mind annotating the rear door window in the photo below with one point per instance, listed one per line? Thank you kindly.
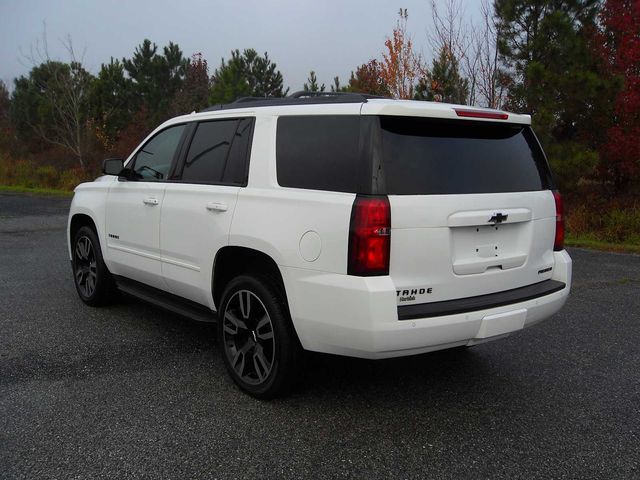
(426, 156)
(318, 152)
(218, 152)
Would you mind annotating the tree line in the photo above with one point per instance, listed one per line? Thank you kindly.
(573, 64)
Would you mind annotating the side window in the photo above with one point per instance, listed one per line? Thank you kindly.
(319, 152)
(218, 152)
(153, 160)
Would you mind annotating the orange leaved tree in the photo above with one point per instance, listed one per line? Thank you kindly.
(401, 67)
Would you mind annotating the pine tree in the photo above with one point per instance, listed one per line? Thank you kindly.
(554, 77)
(313, 86)
(246, 74)
(111, 98)
(337, 88)
(444, 82)
(156, 77)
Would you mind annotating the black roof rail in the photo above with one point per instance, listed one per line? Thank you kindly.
(296, 98)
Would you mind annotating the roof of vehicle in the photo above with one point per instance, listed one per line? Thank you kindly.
(327, 103)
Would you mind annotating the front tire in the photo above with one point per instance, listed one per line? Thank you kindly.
(94, 283)
(259, 346)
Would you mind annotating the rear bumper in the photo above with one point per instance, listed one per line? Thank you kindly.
(358, 316)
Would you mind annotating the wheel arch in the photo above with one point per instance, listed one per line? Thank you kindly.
(231, 261)
(79, 220)
(76, 222)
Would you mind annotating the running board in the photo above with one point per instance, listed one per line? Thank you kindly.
(168, 301)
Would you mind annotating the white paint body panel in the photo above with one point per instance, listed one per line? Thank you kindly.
(136, 252)
(445, 242)
(172, 245)
(195, 224)
(357, 316)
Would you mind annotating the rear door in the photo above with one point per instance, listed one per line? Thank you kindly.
(134, 206)
(471, 207)
(198, 207)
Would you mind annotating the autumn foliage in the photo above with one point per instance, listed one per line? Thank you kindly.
(620, 39)
(369, 78)
(401, 66)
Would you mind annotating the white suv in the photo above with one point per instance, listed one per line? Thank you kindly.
(343, 224)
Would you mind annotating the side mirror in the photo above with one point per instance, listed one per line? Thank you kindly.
(112, 166)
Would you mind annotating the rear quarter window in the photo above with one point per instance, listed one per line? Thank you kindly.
(318, 152)
(427, 156)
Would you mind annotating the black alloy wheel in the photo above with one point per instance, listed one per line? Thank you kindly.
(248, 337)
(86, 269)
(92, 278)
(259, 345)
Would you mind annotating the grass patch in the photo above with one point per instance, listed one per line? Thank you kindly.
(587, 242)
(35, 190)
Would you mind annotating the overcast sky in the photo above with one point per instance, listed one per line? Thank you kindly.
(329, 36)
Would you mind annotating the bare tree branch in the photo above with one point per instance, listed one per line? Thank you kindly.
(65, 89)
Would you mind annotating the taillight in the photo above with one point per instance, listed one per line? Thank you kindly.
(369, 236)
(558, 243)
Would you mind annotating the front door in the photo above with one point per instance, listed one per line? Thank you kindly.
(134, 209)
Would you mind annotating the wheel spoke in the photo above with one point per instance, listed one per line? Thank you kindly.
(235, 322)
(260, 363)
(245, 304)
(264, 322)
(90, 284)
(240, 357)
(79, 251)
(85, 249)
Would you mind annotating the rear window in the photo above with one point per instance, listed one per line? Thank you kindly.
(427, 156)
(318, 152)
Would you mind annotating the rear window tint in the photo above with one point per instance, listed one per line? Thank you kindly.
(318, 152)
(426, 156)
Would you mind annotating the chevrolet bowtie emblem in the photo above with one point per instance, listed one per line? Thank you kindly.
(498, 218)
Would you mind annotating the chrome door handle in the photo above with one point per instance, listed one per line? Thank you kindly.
(219, 207)
(150, 201)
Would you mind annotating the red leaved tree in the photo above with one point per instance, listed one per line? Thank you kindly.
(369, 78)
(620, 40)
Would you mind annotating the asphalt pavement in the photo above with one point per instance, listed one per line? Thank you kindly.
(131, 391)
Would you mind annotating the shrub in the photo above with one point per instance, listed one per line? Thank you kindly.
(571, 163)
(607, 222)
(622, 226)
(69, 179)
(46, 176)
(23, 174)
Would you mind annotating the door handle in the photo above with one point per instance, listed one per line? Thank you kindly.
(150, 201)
(219, 207)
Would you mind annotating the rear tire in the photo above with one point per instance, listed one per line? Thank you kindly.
(94, 283)
(258, 343)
